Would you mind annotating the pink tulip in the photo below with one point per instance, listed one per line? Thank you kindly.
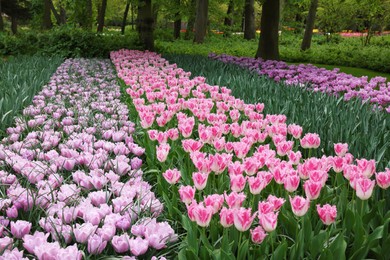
(200, 180)
(340, 149)
(203, 215)
(258, 235)
(269, 221)
(83, 232)
(276, 202)
(364, 187)
(172, 176)
(138, 246)
(96, 244)
(291, 182)
(383, 179)
(234, 199)
(312, 189)
(237, 182)
(299, 205)
(226, 217)
(31, 241)
(294, 157)
(256, 184)
(187, 194)
(20, 228)
(295, 130)
(121, 243)
(310, 141)
(367, 167)
(162, 151)
(284, 147)
(327, 213)
(5, 243)
(214, 200)
(243, 218)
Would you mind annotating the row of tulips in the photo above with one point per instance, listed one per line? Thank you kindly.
(71, 183)
(234, 167)
(375, 91)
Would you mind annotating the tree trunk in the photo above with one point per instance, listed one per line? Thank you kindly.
(1, 20)
(132, 16)
(191, 20)
(46, 21)
(306, 42)
(249, 27)
(177, 23)
(14, 25)
(102, 14)
(125, 17)
(228, 19)
(155, 9)
(88, 24)
(54, 11)
(201, 20)
(269, 37)
(62, 14)
(145, 24)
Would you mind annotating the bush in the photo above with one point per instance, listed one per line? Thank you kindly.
(66, 42)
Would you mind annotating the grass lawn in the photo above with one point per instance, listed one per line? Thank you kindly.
(357, 72)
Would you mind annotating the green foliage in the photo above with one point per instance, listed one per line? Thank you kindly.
(66, 42)
(340, 51)
(21, 78)
(366, 132)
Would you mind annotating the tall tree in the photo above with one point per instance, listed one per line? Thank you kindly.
(145, 24)
(269, 37)
(191, 20)
(201, 20)
(228, 19)
(102, 14)
(14, 24)
(46, 21)
(83, 13)
(62, 12)
(55, 13)
(125, 17)
(177, 22)
(306, 42)
(1, 19)
(249, 24)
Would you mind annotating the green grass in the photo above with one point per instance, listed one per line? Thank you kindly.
(21, 78)
(367, 132)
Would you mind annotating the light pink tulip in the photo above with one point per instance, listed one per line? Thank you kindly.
(299, 205)
(327, 213)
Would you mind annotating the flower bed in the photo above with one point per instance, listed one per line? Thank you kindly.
(376, 91)
(234, 168)
(71, 183)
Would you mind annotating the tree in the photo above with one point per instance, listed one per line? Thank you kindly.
(101, 15)
(83, 13)
(145, 24)
(191, 20)
(306, 42)
(1, 19)
(269, 26)
(46, 21)
(249, 20)
(125, 16)
(201, 20)
(177, 22)
(228, 19)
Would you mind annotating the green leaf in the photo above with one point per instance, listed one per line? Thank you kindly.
(317, 243)
(280, 251)
(338, 247)
(243, 250)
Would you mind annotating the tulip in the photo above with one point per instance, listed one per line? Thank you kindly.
(96, 244)
(203, 215)
(310, 140)
(312, 189)
(243, 218)
(340, 149)
(364, 187)
(200, 180)
(162, 151)
(138, 246)
(383, 179)
(121, 243)
(258, 235)
(269, 221)
(187, 194)
(172, 176)
(20, 228)
(327, 213)
(226, 217)
(299, 205)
